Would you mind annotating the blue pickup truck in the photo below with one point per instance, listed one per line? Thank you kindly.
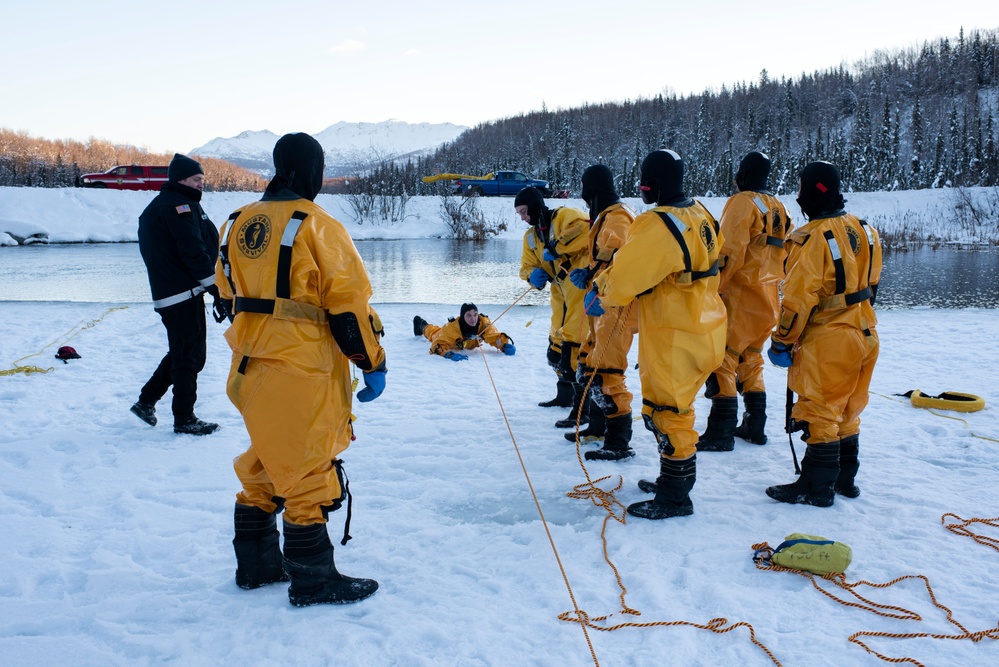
(495, 184)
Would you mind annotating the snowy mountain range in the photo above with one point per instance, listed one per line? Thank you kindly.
(349, 147)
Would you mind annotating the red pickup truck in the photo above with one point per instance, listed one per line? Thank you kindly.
(131, 177)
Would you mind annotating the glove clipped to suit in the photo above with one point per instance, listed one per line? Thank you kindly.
(591, 304)
(780, 354)
(456, 356)
(509, 349)
(549, 256)
(579, 277)
(374, 385)
(220, 307)
(538, 278)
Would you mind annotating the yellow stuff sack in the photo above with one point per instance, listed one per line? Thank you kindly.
(813, 554)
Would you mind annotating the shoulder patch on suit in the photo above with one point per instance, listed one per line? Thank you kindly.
(183, 208)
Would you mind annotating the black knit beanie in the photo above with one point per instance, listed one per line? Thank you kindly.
(753, 171)
(534, 201)
(819, 192)
(662, 177)
(182, 167)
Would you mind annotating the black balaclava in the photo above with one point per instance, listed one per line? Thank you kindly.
(662, 175)
(466, 330)
(182, 167)
(598, 189)
(298, 165)
(753, 172)
(535, 203)
(819, 192)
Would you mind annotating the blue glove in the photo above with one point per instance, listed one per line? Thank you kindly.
(549, 257)
(591, 304)
(508, 349)
(374, 385)
(538, 278)
(456, 356)
(780, 354)
(579, 277)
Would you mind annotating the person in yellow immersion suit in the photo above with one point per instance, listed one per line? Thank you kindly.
(754, 224)
(463, 333)
(603, 357)
(299, 296)
(826, 337)
(554, 245)
(669, 264)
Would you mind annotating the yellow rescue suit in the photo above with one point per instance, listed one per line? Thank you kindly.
(669, 263)
(451, 337)
(290, 379)
(605, 350)
(833, 266)
(567, 240)
(754, 226)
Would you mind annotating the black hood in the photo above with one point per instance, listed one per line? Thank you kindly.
(753, 172)
(298, 165)
(535, 203)
(819, 192)
(598, 189)
(662, 175)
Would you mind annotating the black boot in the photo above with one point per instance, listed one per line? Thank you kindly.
(563, 398)
(596, 427)
(819, 469)
(308, 558)
(258, 548)
(719, 436)
(848, 466)
(580, 408)
(145, 412)
(676, 479)
(754, 418)
(193, 426)
(419, 324)
(616, 441)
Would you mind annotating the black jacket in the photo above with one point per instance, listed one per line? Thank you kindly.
(179, 245)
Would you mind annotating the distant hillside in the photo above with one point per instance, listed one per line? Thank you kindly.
(349, 147)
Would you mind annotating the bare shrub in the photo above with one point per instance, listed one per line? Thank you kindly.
(465, 221)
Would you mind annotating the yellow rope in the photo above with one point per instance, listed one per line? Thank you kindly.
(934, 412)
(83, 325)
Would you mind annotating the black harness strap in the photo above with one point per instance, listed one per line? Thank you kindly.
(671, 224)
(837, 258)
(660, 408)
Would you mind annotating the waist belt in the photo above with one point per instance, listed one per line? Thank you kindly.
(247, 305)
(840, 301)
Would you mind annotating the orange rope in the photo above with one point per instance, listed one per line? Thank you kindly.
(962, 529)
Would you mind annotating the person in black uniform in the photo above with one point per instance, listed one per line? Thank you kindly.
(179, 244)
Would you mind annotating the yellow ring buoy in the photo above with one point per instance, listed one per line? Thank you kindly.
(949, 400)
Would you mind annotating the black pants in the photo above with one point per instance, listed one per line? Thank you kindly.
(186, 332)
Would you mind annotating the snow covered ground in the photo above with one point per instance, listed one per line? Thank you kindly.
(75, 215)
(117, 550)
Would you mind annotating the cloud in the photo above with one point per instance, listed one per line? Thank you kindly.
(347, 46)
(412, 53)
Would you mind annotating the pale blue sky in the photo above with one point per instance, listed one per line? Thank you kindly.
(172, 76)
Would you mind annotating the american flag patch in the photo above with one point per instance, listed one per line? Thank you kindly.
(184, 209)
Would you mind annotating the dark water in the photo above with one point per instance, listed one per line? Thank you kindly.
(442, 271)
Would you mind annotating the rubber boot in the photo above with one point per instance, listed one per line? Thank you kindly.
(617, 441)
(580, 408)
(563, 399)
(308, 559)
(419, 324)
(676, 479)
(848, 466)
(258, 548)
(819, 470)
(719, 436)
(191, 425)
(754, 419)
(596, 427)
